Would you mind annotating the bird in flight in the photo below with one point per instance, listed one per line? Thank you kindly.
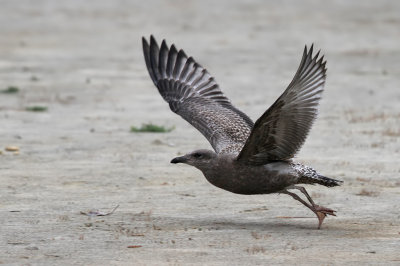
(248, 158)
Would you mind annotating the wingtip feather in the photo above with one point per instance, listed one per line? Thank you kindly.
(144, 40)
(152, 39)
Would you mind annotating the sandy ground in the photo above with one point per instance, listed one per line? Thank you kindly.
(83, 60)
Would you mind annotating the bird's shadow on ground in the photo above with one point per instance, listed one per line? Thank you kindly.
(306, 224)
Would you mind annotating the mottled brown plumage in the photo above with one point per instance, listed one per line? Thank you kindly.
(194, 94)
(281, 131)
(249, 158)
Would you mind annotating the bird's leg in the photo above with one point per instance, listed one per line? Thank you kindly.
(304, 191)
(320, 211)
(296, 197)
(317, 207)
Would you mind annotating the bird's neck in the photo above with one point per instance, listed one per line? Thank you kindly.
(214, 171)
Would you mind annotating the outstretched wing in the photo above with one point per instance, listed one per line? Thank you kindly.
(194, 94)
(281, 131)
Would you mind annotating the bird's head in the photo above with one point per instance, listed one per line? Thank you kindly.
(197, 158)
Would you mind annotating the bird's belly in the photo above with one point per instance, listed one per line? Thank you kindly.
(250, 185)
(258, 180)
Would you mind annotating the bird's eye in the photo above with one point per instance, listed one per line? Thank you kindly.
(197, 155)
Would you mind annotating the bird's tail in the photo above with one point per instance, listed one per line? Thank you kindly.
(308, 175)
(319, 179)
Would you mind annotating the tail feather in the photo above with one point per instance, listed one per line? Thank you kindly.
(319, 179)
(308, 175)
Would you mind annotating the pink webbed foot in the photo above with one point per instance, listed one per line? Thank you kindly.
(321, 213)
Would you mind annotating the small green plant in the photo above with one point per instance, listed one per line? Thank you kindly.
(151, 128)
(10, 90)
(36, 108)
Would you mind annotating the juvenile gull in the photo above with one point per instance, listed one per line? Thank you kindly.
(249, 158)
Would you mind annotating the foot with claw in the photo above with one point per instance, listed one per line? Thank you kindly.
(320, 211)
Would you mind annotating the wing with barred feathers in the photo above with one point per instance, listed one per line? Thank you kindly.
(194, 94)
(281, 131)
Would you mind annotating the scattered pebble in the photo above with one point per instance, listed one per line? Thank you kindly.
(263, 208)
(368, 193)
(12, 148)
(187, 195)
(98, 213)
(157, 142)
(32, 248)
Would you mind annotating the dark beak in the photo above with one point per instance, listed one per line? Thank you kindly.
(181, 159)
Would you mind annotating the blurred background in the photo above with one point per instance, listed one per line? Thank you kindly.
(73, 82)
